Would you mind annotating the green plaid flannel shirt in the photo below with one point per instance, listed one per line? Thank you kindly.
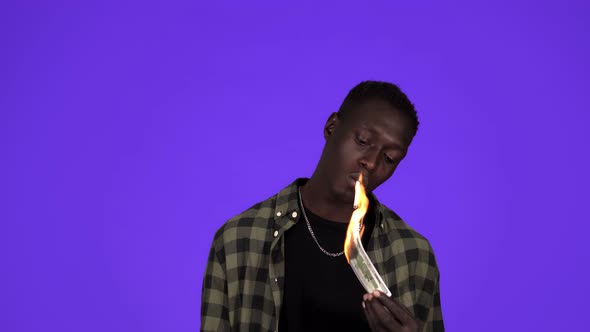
(243, 283)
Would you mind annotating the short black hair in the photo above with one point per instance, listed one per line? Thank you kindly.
(388, 92)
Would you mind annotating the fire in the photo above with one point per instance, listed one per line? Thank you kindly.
(361, 205)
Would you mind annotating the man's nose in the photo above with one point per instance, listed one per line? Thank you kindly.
(369, 161)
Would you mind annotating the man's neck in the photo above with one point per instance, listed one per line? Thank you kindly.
(321, 203)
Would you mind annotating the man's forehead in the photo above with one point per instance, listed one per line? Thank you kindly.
(374, 110)
(388, 122)
(370, 117)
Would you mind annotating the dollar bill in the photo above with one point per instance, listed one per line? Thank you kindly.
(353, 249)
(365, 270)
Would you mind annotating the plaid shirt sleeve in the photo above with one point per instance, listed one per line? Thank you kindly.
(241, 291)
(433, 321)
(407, 263)
(214, 302)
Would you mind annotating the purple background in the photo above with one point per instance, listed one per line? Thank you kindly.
(130, 131)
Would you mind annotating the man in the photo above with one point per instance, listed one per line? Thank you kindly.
(280, 265)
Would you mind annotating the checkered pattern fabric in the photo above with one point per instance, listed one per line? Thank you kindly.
(243, 283)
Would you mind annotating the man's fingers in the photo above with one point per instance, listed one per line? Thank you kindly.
(400, 312)
(370, 316)
(383, 318)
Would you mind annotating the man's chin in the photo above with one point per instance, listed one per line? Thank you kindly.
(346, 194)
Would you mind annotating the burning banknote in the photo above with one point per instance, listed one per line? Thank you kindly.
(353, 248)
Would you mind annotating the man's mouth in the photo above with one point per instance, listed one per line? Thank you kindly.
(355, 176)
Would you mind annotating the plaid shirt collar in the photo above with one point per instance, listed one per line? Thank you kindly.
(287, 208)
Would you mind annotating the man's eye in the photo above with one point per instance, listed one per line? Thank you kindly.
(362, 141)
(389, 160)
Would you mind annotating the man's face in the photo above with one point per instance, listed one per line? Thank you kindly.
(373, 139)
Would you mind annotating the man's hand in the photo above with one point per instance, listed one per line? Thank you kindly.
(385, 314)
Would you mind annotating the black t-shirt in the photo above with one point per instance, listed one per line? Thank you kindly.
(322, 293)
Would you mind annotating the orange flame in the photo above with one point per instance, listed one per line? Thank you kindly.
(361, 205)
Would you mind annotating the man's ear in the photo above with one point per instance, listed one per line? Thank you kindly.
(330, 125)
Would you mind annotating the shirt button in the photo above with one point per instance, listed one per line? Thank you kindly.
(381, 225)
(276, 280)
(279, 214)
(276, 233)
(294, 214)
